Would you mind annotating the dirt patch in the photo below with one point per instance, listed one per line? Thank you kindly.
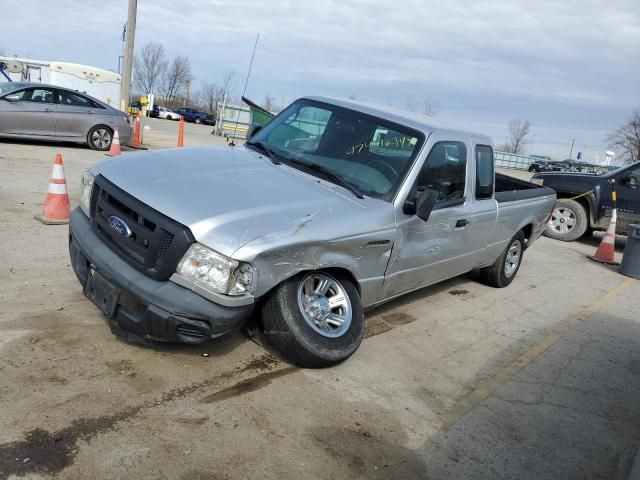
(121, 366)
(367, 454)
(44, 452)
(262, 362)
(458, 292)
(381, 324)
(248, 385)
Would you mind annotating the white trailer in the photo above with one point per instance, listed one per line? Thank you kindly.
(101, 84)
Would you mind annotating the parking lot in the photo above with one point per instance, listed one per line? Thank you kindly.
(539, 380)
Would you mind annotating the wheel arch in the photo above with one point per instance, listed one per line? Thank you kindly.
(587, 201)
(527, 230)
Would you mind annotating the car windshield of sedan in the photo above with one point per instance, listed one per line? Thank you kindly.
(368, 153)
(6, 86)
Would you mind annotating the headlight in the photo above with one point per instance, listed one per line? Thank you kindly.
(213, 271)
(85, 193)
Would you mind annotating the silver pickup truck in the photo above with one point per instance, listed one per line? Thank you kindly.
(332, 208)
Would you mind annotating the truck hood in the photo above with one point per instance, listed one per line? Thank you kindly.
(229, 197)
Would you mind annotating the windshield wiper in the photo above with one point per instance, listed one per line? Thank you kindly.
(273, 156)
(329, 175)
(278, 158)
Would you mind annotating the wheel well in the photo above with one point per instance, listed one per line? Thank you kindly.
(337, 271)
(527, 230)
(582, 201)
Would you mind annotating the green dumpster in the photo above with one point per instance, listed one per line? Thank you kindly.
(259, 116)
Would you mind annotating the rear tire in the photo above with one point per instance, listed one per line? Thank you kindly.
(506, 267)
(295, 319)
(169, 117)
(568, 221)
(100, 138)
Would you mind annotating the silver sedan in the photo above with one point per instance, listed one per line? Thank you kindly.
(47, 112)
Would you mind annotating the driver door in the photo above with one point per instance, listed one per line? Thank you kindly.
(628, 201)
(428, 252)
(32, 113)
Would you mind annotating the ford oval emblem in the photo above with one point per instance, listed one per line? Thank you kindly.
(119, 226)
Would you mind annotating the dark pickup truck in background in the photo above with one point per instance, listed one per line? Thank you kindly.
(584, 201)
(191, 115)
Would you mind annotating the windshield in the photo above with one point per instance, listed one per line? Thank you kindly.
(369, 153)
(6, 86)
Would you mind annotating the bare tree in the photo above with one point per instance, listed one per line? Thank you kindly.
(150, 66)
(208, 96)
(176, 75)
(411, 104)
(226, 84)
(626, 140)
(269, 103)
(518, 130)
(430, 107)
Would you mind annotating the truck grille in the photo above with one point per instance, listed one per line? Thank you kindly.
(153, 243)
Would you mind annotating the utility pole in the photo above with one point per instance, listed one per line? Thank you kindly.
(571, 151)
(127, 68)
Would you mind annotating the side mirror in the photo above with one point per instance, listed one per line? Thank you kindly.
(253, 129)
(423, 205)
(12, 97)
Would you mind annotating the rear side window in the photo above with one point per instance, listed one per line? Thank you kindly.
(73, 100)
(445, 171)
(484, 172)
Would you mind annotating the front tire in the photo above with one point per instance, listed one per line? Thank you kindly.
(169, 117)
(100, 138)
(568, 221)
(315, 319)
(506, 267)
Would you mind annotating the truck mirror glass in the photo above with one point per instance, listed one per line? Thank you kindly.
(425, 204)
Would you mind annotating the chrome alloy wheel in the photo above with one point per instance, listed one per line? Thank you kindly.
(101, 138)
(514, 254)
(562, 220)
(324, 304)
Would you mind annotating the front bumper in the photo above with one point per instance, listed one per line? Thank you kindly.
(148, 309)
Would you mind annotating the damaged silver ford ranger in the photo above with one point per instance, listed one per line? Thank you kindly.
(331, 208)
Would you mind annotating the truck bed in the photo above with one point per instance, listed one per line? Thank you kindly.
(510, 189)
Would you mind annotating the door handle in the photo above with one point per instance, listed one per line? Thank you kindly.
(91, 112)
(48, 110)
(461, 223)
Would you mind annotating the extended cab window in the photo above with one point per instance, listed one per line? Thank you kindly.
(484, 172)
(445, 171)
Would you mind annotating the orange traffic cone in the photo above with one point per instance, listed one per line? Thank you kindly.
(136, 133)
(56, 203)
(115, 144)
(606, 249)
(181, 132)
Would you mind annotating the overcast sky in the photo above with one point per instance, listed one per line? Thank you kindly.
(571, 67)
